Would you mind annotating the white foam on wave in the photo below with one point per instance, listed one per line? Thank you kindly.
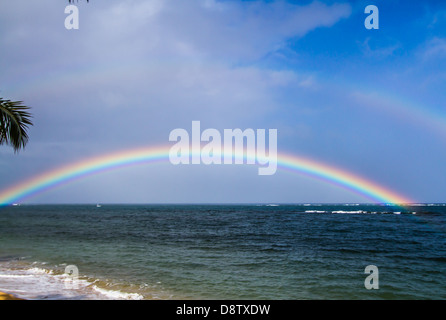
(36, 283)
(14, 276)
(118, 295)
(354, 212)
(36, 270)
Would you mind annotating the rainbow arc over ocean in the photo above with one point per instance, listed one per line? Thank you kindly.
(52, 179)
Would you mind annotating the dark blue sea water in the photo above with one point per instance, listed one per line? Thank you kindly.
(223, 251)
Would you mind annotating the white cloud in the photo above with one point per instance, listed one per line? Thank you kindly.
(162, 60)
(231, 31)
(137, 69)
(378, 52)
(434, 48)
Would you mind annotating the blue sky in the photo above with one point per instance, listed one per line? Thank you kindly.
(368, 101)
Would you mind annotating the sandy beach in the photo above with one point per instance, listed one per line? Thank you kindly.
(7, 296)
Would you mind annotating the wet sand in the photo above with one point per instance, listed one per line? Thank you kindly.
(7, 296)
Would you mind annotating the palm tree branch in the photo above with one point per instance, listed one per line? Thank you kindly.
(14, 121)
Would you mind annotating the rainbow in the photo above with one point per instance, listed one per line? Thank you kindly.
(65, 174)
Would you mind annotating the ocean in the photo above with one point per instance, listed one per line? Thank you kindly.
(270, 251)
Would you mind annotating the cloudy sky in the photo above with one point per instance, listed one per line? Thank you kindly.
(371, 102)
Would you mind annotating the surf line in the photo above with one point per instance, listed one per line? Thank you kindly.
(226, 148)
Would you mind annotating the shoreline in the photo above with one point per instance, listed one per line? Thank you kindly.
(8, 296)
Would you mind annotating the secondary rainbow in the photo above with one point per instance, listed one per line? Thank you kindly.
(65, 174)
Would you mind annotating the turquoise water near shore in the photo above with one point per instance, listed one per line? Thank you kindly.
(303, 251)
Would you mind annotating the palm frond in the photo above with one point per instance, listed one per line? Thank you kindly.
(14, 122)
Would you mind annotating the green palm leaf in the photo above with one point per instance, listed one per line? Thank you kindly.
(14, 122)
